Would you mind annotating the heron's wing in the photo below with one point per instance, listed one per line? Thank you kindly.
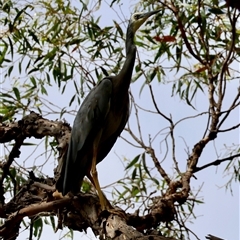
(104, 150)
(92, 114)
(87, 124)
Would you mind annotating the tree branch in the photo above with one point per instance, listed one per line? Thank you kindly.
(80, 212)
(216, 162)
(183, 31)
(233, 106)
(6, 165)
(211, 237)
(230, 129)
(34, 125)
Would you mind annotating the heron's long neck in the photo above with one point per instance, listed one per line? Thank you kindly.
(125, 74)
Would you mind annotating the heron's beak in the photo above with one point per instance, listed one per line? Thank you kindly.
(149, 14)
(142, 18)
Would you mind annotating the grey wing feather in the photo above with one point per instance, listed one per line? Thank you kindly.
(87, 123)
(111, 140)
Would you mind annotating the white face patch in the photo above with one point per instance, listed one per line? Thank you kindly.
(137, 20)
(136, 16)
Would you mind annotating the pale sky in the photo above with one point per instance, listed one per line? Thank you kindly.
(220, 213)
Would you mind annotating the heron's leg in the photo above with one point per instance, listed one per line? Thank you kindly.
(93, 177)
(105, 204)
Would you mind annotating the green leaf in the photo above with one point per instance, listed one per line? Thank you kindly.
(122, 195)
(104, 71)
(3, 52)
(198, 201)
(134, 173)
(135, 191)
(134, 161)
(10, 70)
(32, 79)
(155, 181)
(74, 41)
(43, 90)
(145, 165)
(18, 15)
(20, 67)
(33, 70)
(86, 187)
(50, 55)
(216, 11)
(11, 46)
(150, 39)
(117, 1)
(119, 29)
(38, 226)
(72, 99)
(33, 35)
(53, 222)
(152, 75)
(17, 93)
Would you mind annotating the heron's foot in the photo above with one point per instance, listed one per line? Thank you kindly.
(108, 209)
(105, 204)
(113, 211)
(57, 195)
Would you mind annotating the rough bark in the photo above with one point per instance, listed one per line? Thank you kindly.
(35, 197)
(78, 213)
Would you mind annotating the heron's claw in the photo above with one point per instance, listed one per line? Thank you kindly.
(108, 209)
(57, 195)
(113, 211)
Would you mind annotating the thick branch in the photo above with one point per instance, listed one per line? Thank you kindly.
(31, 210)
(116, 228)
(6, 165)
(34, 125)
(79, 212)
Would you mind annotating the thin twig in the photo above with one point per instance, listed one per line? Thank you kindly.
(216, 162)
(157, 165)
(137, 118)
(156, 106)
(230, 129)
(230, 109)
(174, 9)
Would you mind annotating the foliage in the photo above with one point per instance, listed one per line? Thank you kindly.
(63, 48)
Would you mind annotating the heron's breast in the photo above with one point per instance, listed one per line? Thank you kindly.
(115, 122)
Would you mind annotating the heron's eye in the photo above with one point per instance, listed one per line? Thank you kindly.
(137, 16)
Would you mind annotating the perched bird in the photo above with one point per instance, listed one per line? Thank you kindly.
(100, 120)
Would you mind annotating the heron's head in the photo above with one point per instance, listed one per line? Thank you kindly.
(139, 18)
